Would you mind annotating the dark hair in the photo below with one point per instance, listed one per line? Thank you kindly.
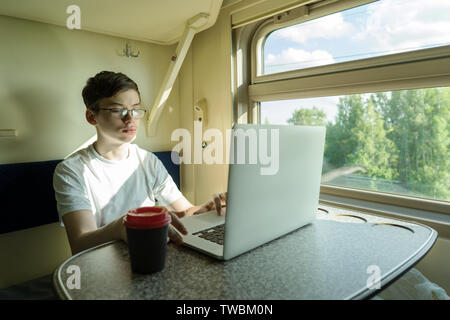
(105, 84)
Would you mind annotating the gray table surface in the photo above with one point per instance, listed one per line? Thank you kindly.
(331, 258)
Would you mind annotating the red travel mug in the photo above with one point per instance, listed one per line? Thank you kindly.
(147, 231)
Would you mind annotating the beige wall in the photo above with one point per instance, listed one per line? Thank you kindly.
(436, 264)
(206, 73)
(32, 253)
(43, 69)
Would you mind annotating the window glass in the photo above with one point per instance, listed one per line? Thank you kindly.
(396, 142)
(376, 29)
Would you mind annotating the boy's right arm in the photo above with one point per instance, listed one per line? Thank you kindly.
(83, 233)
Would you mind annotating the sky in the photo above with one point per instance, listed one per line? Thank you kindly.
(380, 28)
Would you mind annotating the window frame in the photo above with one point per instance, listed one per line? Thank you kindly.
(303, 13)
(401, 71)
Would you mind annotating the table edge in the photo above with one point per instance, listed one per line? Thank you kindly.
(57, 281)
(395, 274)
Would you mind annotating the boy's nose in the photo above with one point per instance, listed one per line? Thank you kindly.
(128, 115)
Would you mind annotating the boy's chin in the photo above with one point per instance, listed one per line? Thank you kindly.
(130, 139)
(122, 140)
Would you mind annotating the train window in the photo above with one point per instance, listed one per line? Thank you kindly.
(377, 75)
(376, 29)
(394, 142)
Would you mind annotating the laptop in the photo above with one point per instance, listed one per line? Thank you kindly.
(265, 200)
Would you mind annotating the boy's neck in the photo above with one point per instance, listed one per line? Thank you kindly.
(112, 152)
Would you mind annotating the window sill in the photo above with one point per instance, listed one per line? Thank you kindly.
(388, 198)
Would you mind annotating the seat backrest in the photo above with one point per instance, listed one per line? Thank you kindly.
(27, 195)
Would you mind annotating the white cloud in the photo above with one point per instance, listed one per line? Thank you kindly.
(388, 26)
(394, 25)
(331, 26)
(297, 58)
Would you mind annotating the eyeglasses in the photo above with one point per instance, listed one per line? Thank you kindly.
(122, 113)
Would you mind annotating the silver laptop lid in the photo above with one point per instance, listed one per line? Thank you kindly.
(279, 193)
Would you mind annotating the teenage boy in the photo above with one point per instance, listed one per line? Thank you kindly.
(96, 186)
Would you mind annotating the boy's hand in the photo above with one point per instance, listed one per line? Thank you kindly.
(218, 203)
(175, 225)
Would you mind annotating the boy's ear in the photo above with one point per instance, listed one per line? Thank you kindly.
(90, 117)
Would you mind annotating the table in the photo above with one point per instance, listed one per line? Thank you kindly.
(343, 254)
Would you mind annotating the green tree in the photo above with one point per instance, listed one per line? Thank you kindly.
(417, 121)
(341, 140)
(374, 151)
(401, 136)
(430, 161)
(308, 117)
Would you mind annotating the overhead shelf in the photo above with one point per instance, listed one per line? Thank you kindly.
(159, 22)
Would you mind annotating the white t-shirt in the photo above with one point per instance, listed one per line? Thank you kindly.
(109, 188)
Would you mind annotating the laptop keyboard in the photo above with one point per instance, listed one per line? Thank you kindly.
(214, 234)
